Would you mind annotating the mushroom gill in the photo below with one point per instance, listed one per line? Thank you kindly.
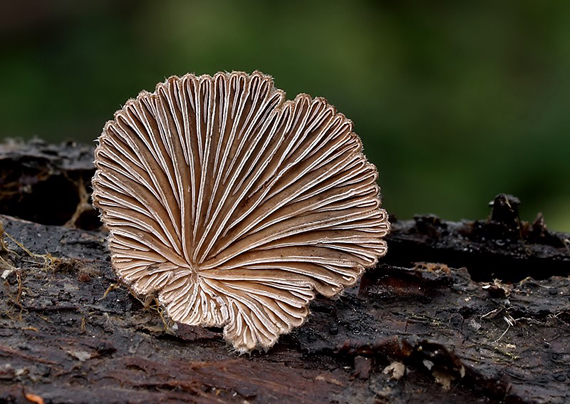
(235, 206)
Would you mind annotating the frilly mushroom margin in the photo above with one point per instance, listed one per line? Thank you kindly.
(235, 206)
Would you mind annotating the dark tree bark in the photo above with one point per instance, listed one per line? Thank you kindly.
(470, 312)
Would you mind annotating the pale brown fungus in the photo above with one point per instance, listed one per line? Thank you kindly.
(235, 206)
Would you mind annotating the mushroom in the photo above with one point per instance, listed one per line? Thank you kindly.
(234, 206)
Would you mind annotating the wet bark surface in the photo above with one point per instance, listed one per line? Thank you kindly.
(470, 312)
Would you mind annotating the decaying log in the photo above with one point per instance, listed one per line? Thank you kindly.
(466, 312)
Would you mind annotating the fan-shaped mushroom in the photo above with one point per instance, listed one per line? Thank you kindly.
(235, 206)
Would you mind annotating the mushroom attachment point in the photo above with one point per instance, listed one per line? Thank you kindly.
(234, 206)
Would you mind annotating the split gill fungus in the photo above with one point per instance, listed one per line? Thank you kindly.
(234, 206)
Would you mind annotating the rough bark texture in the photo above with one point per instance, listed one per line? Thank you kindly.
(471, 312)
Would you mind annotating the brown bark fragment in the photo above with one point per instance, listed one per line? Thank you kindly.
(68, 335)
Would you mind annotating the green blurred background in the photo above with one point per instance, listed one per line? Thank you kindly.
(455, 101)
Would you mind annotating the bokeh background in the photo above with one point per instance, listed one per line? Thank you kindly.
(455, 101)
